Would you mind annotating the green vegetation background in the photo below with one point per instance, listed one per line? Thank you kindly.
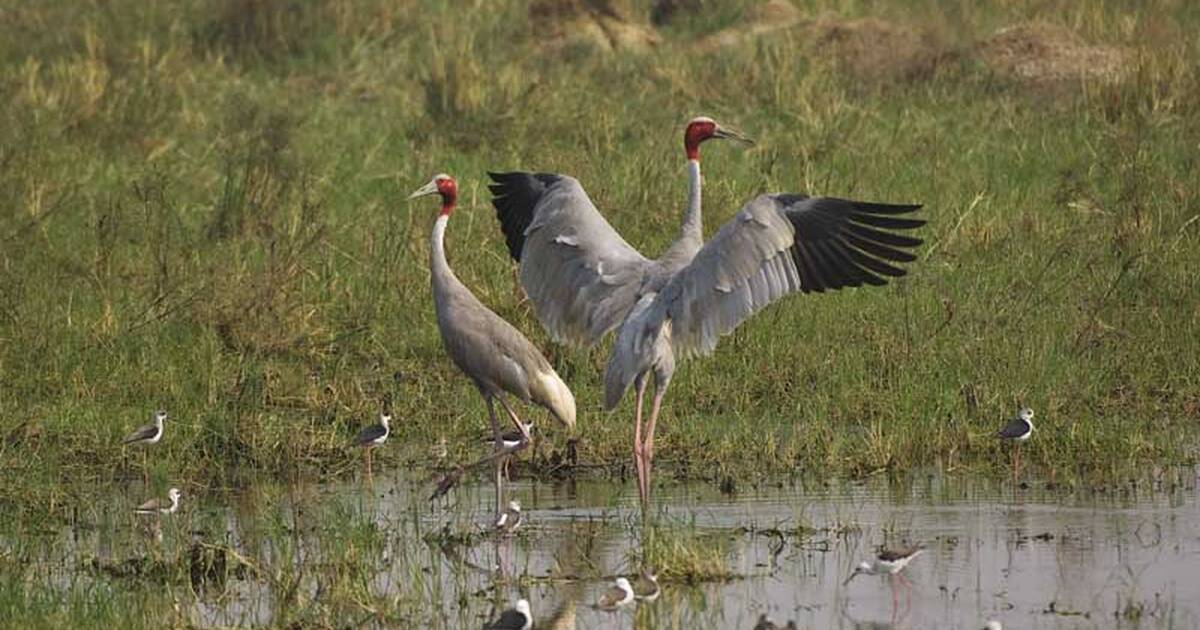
(202, 207)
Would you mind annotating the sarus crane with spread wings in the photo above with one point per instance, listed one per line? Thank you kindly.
(585, 280)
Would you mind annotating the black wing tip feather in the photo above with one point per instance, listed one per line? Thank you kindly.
(515, 194)
(844, 243)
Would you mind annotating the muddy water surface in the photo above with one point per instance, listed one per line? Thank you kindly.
(1126, 557)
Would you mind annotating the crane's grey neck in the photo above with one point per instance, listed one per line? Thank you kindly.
(445, 283)
(693, 227)
(437, 247)
(691, 233)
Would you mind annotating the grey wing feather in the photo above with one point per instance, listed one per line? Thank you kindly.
(144, 432)
(1014, 429)
(777, 245)
(496, 355)
(581, 276)
(640, 341)
(152, 505)
(492, 352)
(892, 555)
(369, 434)
(509, 620)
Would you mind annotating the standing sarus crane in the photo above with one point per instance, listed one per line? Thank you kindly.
(585, 280)
(496, 356)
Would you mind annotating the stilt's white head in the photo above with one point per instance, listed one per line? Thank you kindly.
(863, 568)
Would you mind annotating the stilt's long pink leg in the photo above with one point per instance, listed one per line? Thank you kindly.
(1017, 468)
(907, 593)
(895, 600)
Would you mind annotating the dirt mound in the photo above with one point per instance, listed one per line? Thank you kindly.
(605, 25)
(869, 48)
(770, 16)
(1047, 54)
(874, 49)
(665, 10)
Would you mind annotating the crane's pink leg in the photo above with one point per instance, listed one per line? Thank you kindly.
(499, 446)
(638, 463)
(660, 390)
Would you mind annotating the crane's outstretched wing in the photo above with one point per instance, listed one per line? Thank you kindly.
(777, 245)
(580, 274)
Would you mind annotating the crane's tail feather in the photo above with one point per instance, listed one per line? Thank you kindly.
(552, 393)
(616, 381)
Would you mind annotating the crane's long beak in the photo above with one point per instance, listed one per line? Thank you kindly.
(428, 189)
(725, 133)
(852, 575)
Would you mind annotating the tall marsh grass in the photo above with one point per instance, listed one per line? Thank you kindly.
(202, 207)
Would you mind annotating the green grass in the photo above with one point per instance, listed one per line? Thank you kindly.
(202, 207)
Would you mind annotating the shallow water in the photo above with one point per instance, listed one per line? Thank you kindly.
(1123, 557)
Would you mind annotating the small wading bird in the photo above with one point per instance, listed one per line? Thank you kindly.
(498, 359)
(372, 436)
(646, 588)
(439, 451)
(160, 506)
(510, 519)
(148, 434)
(511, 439)
(618, 595)
(765, 623)
(890, 562)
(585, 280)
(1018, 430)
(518, 617)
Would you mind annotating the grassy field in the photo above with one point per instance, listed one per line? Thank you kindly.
(202, 207)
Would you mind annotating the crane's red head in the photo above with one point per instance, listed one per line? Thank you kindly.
(704, 128)
(443, 185)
